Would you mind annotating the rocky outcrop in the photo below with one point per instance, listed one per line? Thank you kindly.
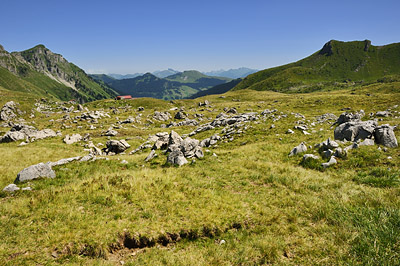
(162, 116)
(25, 132)
(223, 120)
(8, 111)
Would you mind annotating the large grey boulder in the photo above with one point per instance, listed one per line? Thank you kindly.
(72, 139)
(384, 135)
(40, 170)
(353, 131)
(176, 157)
(298, 149)
(8, 111)
(117, 146)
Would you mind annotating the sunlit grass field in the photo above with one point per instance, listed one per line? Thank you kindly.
(250, 204)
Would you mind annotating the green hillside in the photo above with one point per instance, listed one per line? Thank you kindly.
(335, 65)
(177, 86)
(219, 89)
(102, 77)
(44, 73)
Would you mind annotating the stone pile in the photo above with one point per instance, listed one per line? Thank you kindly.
(351, 128)
(179, 149)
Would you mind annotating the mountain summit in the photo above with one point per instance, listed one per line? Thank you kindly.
(337, 62)
(40, 71)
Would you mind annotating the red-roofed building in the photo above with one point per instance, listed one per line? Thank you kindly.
(123, 97)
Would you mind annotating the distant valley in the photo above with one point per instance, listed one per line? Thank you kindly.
(176, 86)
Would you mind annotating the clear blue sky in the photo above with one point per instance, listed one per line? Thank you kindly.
(140, 36)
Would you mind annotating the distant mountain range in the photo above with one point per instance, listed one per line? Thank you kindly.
(41, 72)
(335, 65)
(231, 73)
(176, 86)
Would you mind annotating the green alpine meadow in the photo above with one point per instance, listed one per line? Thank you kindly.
(293, 165)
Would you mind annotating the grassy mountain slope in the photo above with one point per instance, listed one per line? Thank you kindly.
(44, 73)
(219, 89)
(102, 77)
(337, 62)
(177, 86)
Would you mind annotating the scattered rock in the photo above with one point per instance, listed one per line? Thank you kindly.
(174, 139)
(151, 155)
(162, 116)
(340, 153)
(40, 170)
(72, 139)
(180, 115)
(298, 149)
(385, 136)
(63, 161)
(176, 157)
(350, 117)
(11, 188)
(367, 142)
(382, 113)
(327, 153)
(205, 103)
(140, 109)
(116, 146)
(110, 132)
(289, 131)
(331, 162)
(308, 156)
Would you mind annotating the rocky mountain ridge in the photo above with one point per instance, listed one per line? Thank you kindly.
(48, 73)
